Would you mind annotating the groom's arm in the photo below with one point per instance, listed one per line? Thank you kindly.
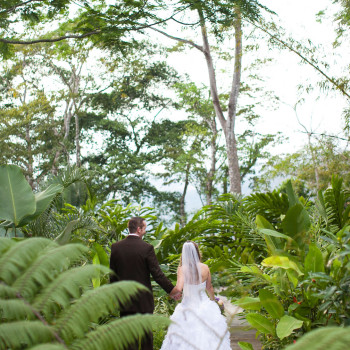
(156, 271)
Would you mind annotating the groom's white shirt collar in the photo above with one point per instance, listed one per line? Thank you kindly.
(135, 234)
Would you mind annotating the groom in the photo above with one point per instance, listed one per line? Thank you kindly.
(134, 259)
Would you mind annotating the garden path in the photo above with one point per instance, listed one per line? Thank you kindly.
(239, 328)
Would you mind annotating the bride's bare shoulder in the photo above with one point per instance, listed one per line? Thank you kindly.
(204, 267)
(205, 271)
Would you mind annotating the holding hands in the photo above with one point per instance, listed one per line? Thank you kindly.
(175, 293)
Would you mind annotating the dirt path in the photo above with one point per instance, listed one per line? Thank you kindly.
(239, 327)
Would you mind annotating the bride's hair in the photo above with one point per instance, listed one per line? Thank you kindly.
(190, 263)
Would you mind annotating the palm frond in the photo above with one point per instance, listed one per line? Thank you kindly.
(126, 330)
(44, 225)
(15, 309)
(270, 205)
(16, 259)
(333, 207)
(93, 305)
(70, 175)
(67, 286)
(46, 267)
(20, 334)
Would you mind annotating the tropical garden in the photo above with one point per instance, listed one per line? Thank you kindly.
(97, 125)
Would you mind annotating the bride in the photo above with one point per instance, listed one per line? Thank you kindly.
(197, 320)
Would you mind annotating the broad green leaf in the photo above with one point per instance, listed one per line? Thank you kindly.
(96, 281)
(271, 304)
(102, 255)
(274, 233)
(261, 323)
(292, 197)
(293, 277)
(17, 198)
(272, 243)
(43, 200)
(314, 260)
(287, 325)
(248, 303)
(282, 262)
(245, 346)
(251, 269)
(337, 338)
(296, 223)
(156, 243)
(262, 223)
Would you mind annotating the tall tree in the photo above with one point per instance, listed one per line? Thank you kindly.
(122, 115)
(200, 109)
(218, 18)
(27, 119)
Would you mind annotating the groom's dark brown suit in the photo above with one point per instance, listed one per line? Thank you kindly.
(134, 259)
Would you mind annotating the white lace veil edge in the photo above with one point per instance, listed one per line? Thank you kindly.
(191, 264)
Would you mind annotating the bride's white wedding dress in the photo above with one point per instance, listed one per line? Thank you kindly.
(197, 323)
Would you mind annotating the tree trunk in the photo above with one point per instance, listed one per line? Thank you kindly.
(228, 124)
(77, 140)
(232, 155)
(225, 187)
(211, 173)
(314, 161)
(75, 89)
(54, 168)
(30, 158)
(183, 217)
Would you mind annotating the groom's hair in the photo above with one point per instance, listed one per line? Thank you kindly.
(134, 223)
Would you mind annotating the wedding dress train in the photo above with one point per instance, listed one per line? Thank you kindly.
(197, 323)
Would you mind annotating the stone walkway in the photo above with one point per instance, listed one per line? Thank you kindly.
(239, 328)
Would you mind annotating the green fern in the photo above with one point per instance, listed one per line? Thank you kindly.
(5, 244)
(18, 257)
(133, 326)
(14, 309)
(69, 284)
(48, 347)
(46, 297)
(20, 334)
(93, 305)
(46, 267)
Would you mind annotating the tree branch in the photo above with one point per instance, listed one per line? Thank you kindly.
(290, 48)
(30, 42)
(211, 71)
(19, 5)
(189, 42)
(326, 135)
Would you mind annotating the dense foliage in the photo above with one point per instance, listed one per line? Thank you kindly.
(283, 259)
